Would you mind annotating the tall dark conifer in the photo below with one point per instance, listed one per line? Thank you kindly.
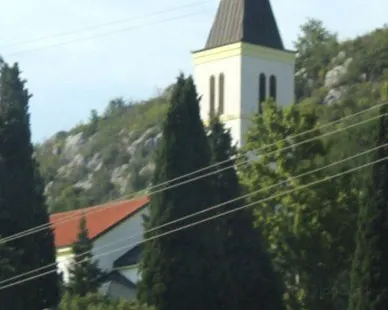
(177, 268)
(369, 275)
(21, 197)
(248, 278)
(49, 290)
(9, 259)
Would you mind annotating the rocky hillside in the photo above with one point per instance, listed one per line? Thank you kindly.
(111, 155)
(328, 70)
(106, 158)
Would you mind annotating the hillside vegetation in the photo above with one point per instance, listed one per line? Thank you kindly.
(112, 155)
(108, 157)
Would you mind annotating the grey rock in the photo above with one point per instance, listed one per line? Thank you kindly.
(334, 95)
(85, 184)
(334, 76)
(72, 145)
(77, 161)
(95, 163)
(120, 177)
(149, 168)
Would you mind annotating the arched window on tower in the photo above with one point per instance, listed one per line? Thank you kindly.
(221, 93)
(212, 96)
(272, 87)
(262, 91)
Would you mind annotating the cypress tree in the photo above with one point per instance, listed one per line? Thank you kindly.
(177, 269)
(84, 272)
(248, 278)
(21, 198)
(9, 298)
(369, 275)
(49, 288)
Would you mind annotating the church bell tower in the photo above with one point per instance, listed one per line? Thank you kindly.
(242, 64)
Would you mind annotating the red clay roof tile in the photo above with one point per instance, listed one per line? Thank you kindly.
(98, 219)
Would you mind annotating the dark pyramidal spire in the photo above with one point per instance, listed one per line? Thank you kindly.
(249, 21)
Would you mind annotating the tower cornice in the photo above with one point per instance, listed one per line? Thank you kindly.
(243, 49)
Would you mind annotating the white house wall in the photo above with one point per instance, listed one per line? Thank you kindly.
(131, 230)
(63, 264)
(131, 274)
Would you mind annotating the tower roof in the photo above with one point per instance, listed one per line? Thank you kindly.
(250, 21)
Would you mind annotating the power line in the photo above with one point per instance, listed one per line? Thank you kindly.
(71, 217)
(198, 3)
(42, 227)
(244, 196)
(331, 177)
(108, 33)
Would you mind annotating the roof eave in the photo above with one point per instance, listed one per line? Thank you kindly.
(208, 49)
(68, 245)
(120, 221)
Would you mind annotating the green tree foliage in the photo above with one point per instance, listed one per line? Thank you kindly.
(21, 195)
(314, 36)
(49, 288)
(247, 275)
(370, 56)
(302, 227)
(71, 198)
(369, 276)
(9, 259)
(84, 272)
(115, 106)
(102, 189)
(316, 47)
(174, 268)
(93, 123)
(98, 302)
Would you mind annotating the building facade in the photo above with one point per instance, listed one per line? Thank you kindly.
(242, 64)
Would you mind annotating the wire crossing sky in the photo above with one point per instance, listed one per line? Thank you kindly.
(69, 74)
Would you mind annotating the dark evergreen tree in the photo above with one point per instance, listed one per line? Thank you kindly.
(21, 197)
(177, 268)
(49, 289)
(9, 259)
(248, 278)
(369, 276)
(84, 272)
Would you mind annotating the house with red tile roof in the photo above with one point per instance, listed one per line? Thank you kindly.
(115, 230)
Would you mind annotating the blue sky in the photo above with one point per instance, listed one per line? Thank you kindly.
(139, 55)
